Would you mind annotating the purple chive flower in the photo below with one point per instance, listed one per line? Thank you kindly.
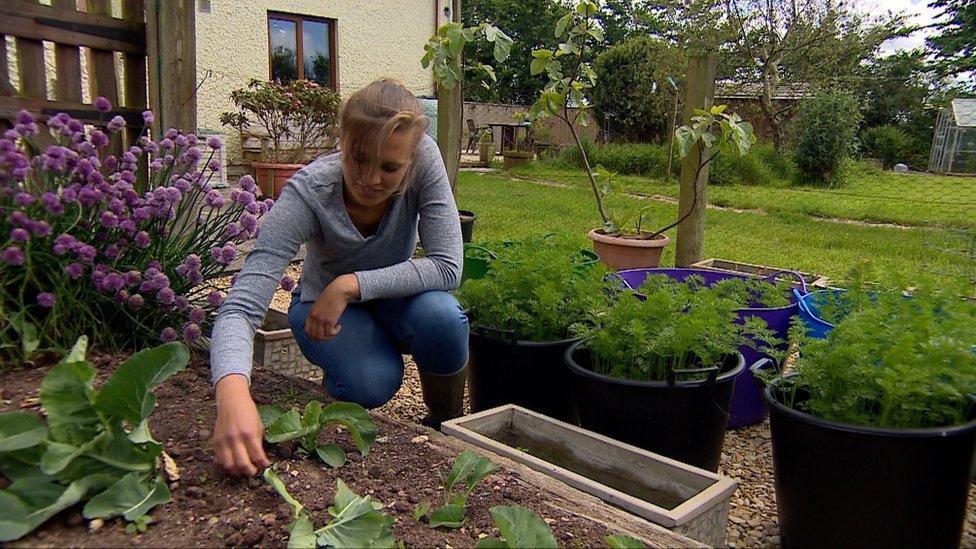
(141, 239)
(75, 270)
(287, 284)
(166, 296)
(116, 124)
(136, 302)
(13, 256)
(192, 156)
(156, 165)
(112, 251)
(109, 219)
(45, 299)
(167, 335)
(166, 144)
(231, 230)
(171, 133)
(24, 199)
(24, 117)
(249, 222)
(148, 118)
(86, 253)
(191, 332)
(255, 208)
(102, 104)
(228, 253)
(182, 303)
(247, 184)
(214, 298)
(215, 200)
(132, 277)
(268, 202)
(19, 235)
(121, 297)
(180, 140)
(41, 229)
(98, 138)
(215, 142)
(197, 315)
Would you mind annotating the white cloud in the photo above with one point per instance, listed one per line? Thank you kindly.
(918, 12)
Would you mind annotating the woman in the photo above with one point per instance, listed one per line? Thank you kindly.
(361, 300)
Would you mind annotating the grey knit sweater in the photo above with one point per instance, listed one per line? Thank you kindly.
(311, 211)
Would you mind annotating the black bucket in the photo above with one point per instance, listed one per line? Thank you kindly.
(683, 420)
(467, 224)
(505, 370)
(841, 485)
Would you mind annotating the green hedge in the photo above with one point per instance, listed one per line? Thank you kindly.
(762, 166)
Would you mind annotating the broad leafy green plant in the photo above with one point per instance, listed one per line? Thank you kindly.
(356, 520)
(538, 289)
(468, 470)
(283, 425)
(904, 362)
(95, 446)
(444, 51)
(674, 326)
(521, 527)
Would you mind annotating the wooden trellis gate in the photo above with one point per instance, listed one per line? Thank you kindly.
(86, 45)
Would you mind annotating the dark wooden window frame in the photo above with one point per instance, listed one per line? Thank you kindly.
(299, 54)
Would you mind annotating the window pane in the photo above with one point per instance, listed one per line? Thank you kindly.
(283, 50)
(315, 50)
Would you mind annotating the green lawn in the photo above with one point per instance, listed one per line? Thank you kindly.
(509, 209)
(871, 195)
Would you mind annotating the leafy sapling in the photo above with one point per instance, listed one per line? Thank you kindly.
(284, 425)
(95, 446)
(468, 470)
(356, 520)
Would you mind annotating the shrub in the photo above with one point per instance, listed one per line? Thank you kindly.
(886, 143)
(85, 253)
(635, 158)
(740, 170)
(822, 136)
(626, 97)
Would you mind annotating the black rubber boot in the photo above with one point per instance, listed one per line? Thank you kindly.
(443, 395)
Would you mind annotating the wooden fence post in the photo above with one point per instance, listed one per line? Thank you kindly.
(691, 231)
(449, 116)
(171, 44)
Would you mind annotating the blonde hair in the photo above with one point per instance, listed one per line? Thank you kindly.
(370, 116)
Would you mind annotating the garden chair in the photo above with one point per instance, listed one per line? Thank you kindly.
(473, 133)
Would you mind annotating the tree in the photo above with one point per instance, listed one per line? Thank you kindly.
(896, 90)
(633, 95)
(955, 45)
(802, 41)
(529, 23)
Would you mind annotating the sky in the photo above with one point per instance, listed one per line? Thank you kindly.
(918, 13)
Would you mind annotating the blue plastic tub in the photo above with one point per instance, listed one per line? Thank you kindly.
(809, 308)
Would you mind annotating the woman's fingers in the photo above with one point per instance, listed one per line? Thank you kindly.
(255, 449)
(242, 461)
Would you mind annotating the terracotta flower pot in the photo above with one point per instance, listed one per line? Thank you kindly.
(628, 251)
(271, 178)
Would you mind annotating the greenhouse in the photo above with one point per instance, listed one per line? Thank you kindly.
(954, 142)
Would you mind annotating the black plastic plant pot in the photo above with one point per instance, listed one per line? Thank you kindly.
(678, 418)
(841, 485)
(467, 224)
(506, 370)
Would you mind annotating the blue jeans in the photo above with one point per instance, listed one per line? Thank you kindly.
(363, 364)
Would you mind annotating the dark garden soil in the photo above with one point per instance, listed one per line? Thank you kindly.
(210, 508)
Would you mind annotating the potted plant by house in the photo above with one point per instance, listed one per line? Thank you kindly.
(444, 54)
(874, 427)
(296, 120)
(524, 313)
(521, 151)
(659, 368)
(618, 246)
(486, 146)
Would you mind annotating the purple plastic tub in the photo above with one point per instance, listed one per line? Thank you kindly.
(748, 406)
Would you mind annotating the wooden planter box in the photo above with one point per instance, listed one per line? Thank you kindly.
(679, 497)
(728, 266)
(275, 348)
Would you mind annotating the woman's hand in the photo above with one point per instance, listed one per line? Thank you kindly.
(238, 433)
(323, 318)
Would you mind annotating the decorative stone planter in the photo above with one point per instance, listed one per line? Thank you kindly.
(275, 348)
(679, 497)
(511, 159)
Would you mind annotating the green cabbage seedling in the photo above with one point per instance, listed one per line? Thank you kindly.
(282, 425)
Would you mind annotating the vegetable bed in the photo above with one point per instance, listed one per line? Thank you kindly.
(209, 508)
